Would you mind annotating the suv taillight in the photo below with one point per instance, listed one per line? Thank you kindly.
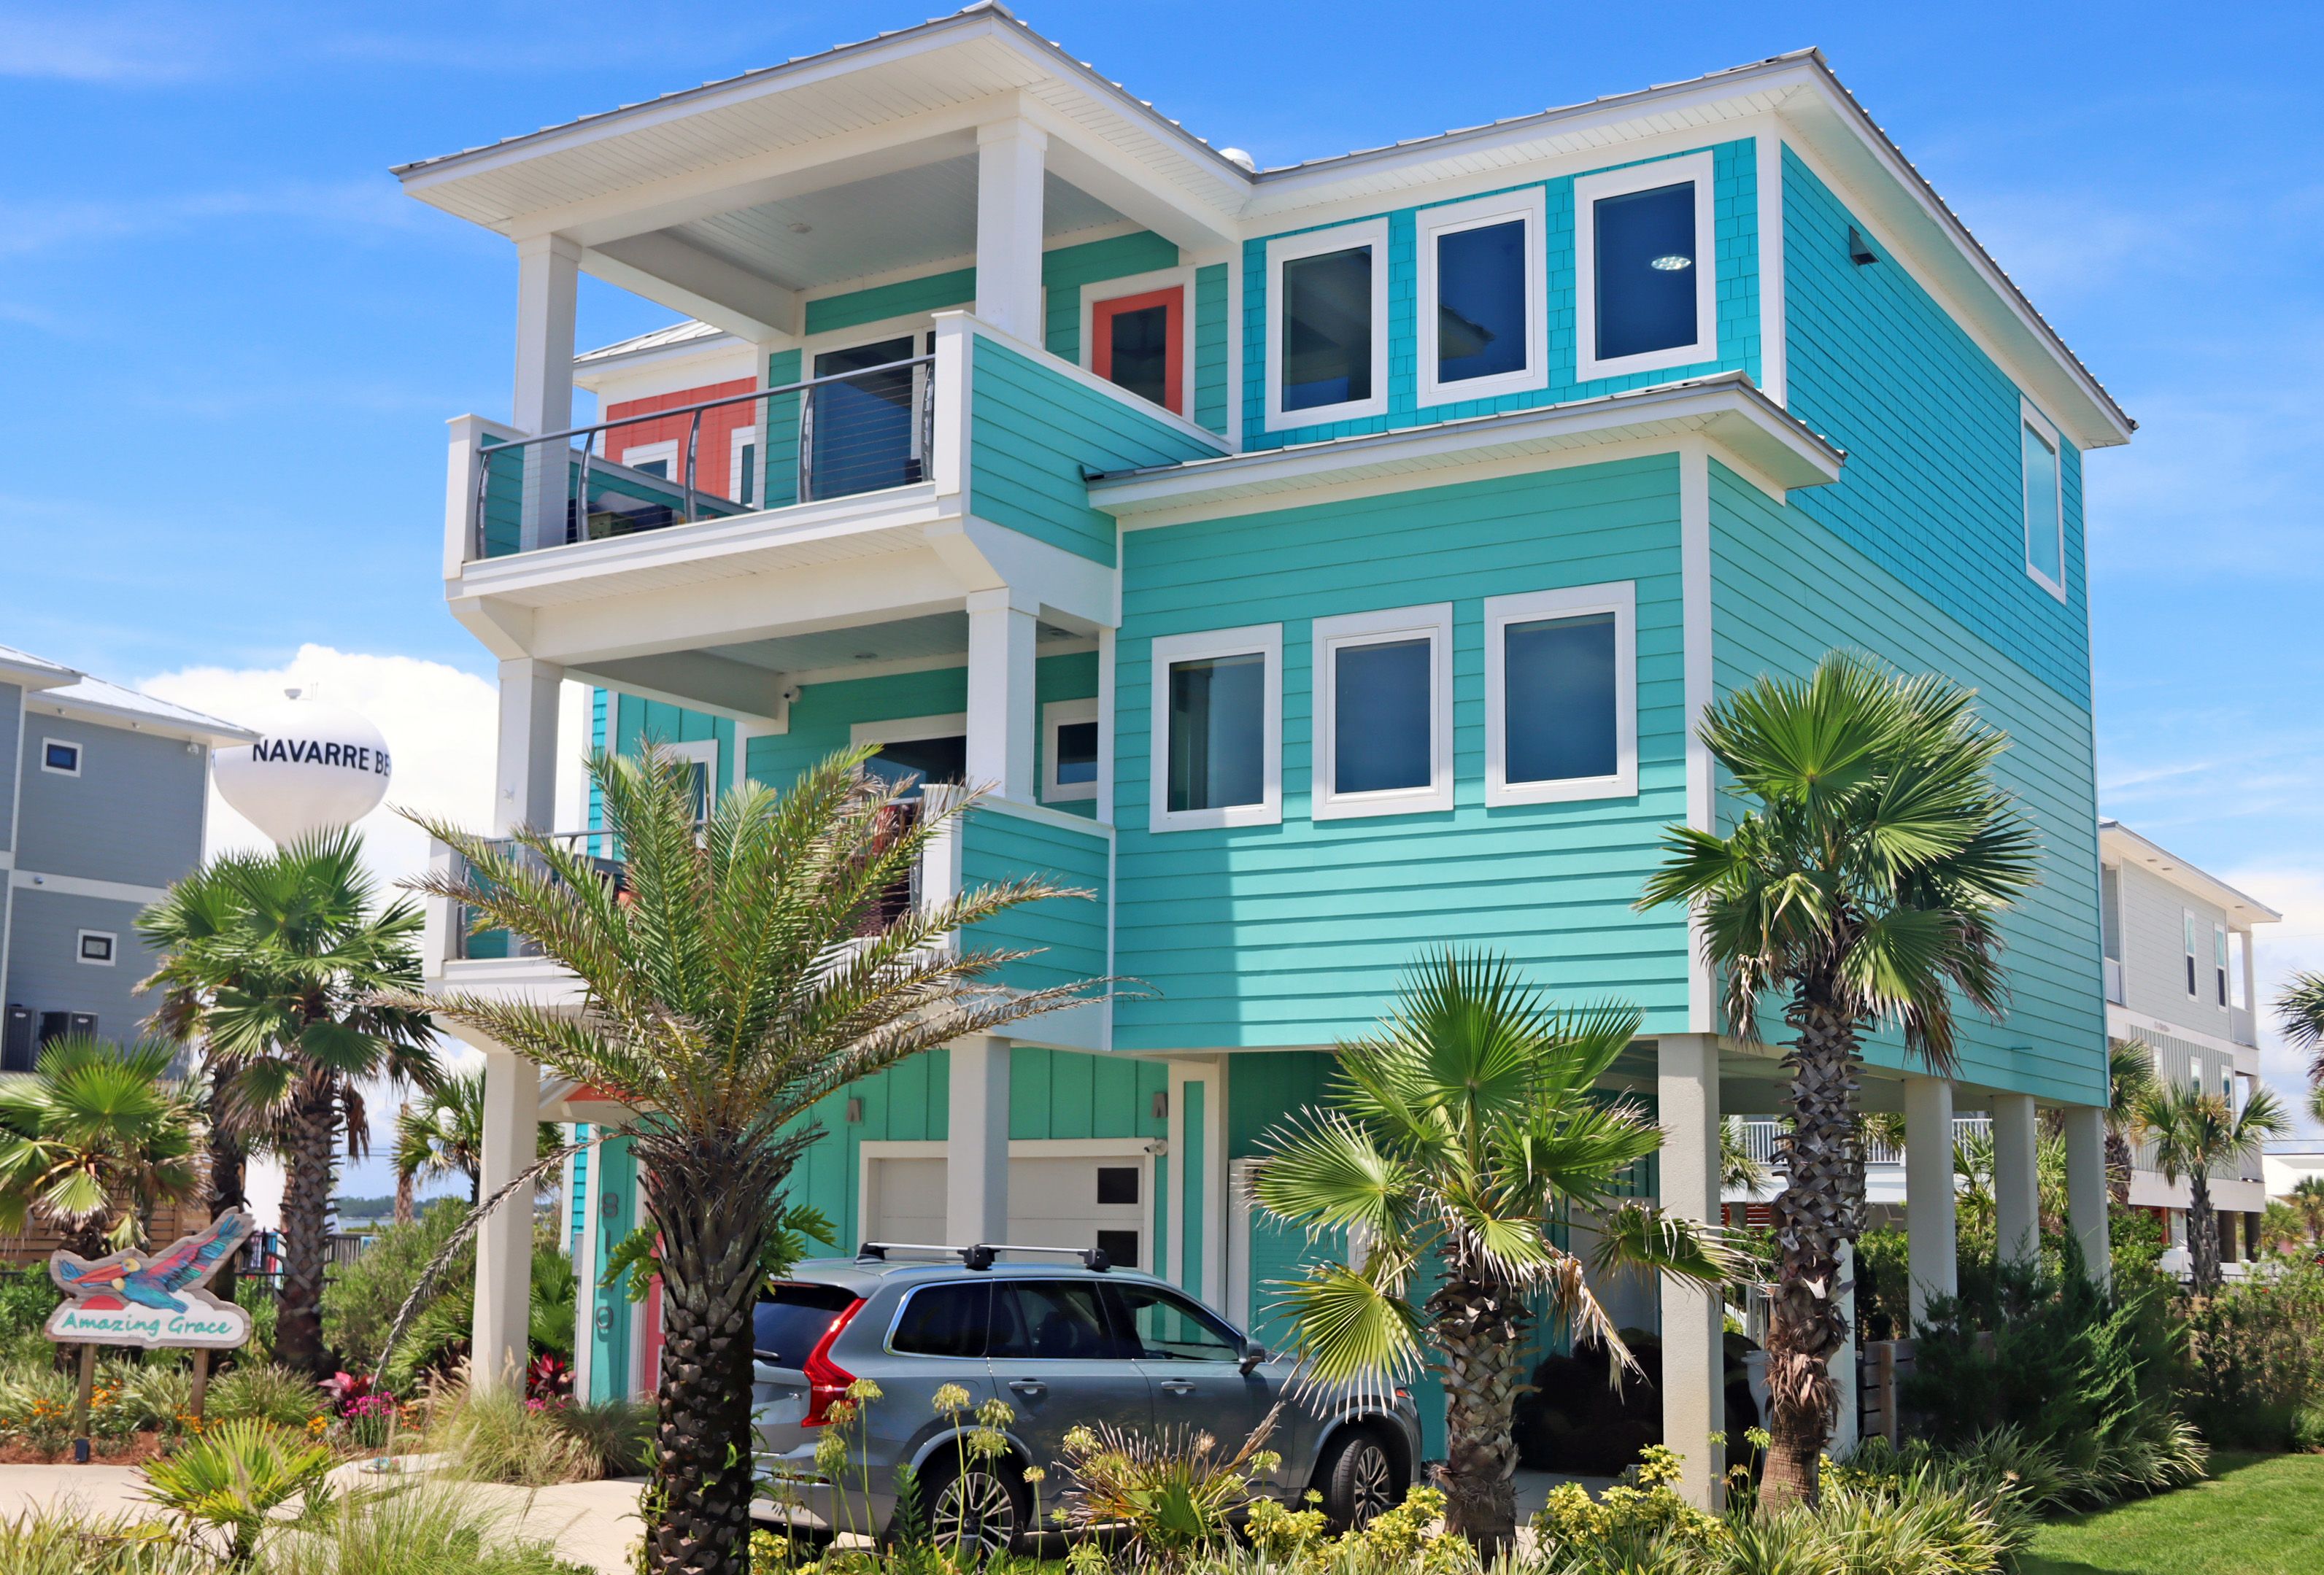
(826, 1380)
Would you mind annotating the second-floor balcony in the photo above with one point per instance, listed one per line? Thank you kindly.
(1759, 1134)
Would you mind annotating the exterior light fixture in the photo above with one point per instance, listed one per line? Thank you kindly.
(1670, 262)
(1859, 251)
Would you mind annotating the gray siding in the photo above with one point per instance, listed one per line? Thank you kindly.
(11, 700)
(2154, 954)
(2179, 1061)
(46, 974)
(133, 814)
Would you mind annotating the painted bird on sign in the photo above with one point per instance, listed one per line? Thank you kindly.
(149, 1281)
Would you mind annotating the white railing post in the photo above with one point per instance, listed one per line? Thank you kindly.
(440, 939)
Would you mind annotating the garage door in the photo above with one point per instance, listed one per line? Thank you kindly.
(1076, 1202)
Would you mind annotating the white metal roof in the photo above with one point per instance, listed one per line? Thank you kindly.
(2127, 846)
(23, 667)
(68, 691)
(676, 334)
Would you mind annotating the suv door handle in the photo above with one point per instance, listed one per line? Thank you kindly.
(1176, 1386)
(1031, 1388)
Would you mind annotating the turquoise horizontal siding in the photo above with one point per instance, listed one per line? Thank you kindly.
(1934, 488)
(1064, 270)
(1736, 217)
(780, 439)
(824, 715)
(1292, 934)
(1067, 934)
(1034, 432)
(931, 292)
(1211, 347)
(1783, 591)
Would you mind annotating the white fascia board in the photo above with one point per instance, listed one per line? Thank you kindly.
(2118, 844)
(216, 734)
(1725, 409)
(30, 672)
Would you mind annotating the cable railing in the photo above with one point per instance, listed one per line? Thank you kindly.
(821, 438)
(1759, 1133)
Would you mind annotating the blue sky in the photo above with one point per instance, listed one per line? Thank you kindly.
(231, 343)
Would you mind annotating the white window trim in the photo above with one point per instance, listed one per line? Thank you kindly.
(1372, 233)
(1526, 206)
(2047, 431)
(1262, 640)
(1332, 635)
(646, 452)
(1588, 190)
(1619, 597)
(2194, 974)
(111, 948)
(907, 728)
(67, 743)
(743, 436)
(1096, 294)
(1056, 715)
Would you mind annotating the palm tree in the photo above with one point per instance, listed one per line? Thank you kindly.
(1863, 885)
(2194, 1129)
(95, 1140)
(2130, 1078)
(2306, 1200)
(740, 975)
(279, 962)
(2300, 1012)
(1456, 1135)
(443, 1135)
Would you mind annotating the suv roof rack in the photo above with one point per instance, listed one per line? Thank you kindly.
(982, 1255)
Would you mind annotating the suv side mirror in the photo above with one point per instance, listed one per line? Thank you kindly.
(1253, 1354)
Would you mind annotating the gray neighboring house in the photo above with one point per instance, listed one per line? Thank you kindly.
(103, 793)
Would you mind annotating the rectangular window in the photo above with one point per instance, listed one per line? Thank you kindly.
(60, 757)
(97, 947)
(862, 433)
(1561, 695)
(1138, 342)
(654, 459)
(1217, 721)
(2219, 960)
(1327, 325)
(1069, 752)
(2045, 502)
(1383, 712)
(2190, 921)
(1644, 268)
(1483, 286)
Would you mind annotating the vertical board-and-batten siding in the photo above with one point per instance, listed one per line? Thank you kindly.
(1736, 217)
(1292, 934)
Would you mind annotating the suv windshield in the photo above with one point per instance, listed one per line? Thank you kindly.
(792, 1318)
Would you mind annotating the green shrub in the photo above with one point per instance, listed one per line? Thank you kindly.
(617, 1432)
(497, 1436)
(428, 1527)
(264, 1393)
(229, 1481)
(2253, 1359)
(361, 1298)
(1883, 1285)
(27, 1297)
(65, 1540)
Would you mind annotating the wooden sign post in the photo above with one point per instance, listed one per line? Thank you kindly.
(152, 1299)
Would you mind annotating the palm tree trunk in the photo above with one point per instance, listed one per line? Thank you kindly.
(306, 1226)
(711, 1232)
(1816, 1214)
(405, 1187)
(2202, 1233)
(1479, 1327)
(2117, 1164)
(228, 1159)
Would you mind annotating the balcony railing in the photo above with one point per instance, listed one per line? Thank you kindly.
(837, 435)
(1759, 1134)
(2114, 989)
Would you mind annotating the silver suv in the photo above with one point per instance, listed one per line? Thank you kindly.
(1062, 1344)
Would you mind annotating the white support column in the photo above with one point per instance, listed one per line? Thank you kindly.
(1686, 1091)
(526, 793)
(1000, 713)
(2016, 1184)
(1930, 1231)
(1009, 173)
(547, 281)
(1846, 1406)
(2085, 1189)
(976, 1144)
(504, 1240)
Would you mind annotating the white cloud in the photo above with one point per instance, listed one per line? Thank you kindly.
(439, 723)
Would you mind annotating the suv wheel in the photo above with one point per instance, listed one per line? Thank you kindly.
(1359, 1478)
(976, 1508)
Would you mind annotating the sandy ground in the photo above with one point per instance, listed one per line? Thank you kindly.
(593, 1524)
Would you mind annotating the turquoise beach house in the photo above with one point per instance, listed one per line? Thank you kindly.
(1321, 564)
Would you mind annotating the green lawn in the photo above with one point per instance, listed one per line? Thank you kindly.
(2259, 1514)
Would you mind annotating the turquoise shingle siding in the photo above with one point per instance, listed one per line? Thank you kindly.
(1735, 207)
(1034, 432)
(1295, 933)
(1932, 489)
(1064, 270)
(1210, 369)
(1066, 935)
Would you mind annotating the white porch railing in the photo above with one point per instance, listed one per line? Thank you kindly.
(1759, 1134)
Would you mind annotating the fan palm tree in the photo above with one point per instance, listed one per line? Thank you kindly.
(2300, 1012)
(1455, 1135)
(1862, 885)
(741, 974)
(1739, 1170)
(277, 961)
(2194, 1129)
(2130, 1078)
(95, 1140)
(442, 1134)
(2306, 1200)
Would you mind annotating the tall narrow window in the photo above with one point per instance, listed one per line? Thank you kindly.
(1383, 712)
(1644, 268)
(1138, 342)
(1218, 729)
(862, 433)
(1561, 695)
(1327, 325)
(2188, 919)
(2045, 508)
(744, 465)
(1482, 284)
(2219, 960)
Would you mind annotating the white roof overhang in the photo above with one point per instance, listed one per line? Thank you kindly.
(2118, 844)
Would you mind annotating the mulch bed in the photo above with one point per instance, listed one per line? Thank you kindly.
(134, 1451)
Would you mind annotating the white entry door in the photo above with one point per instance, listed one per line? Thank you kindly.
(1053, 1200)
